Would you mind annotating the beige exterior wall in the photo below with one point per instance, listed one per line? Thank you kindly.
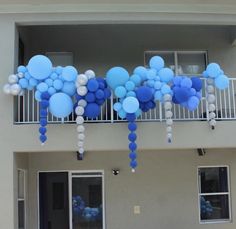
(168, 193)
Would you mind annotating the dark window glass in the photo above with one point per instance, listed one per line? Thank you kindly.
(58, 196)
(21, 214)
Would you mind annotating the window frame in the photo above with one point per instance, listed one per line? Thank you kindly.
(214, 221)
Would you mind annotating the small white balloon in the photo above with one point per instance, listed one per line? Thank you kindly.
(15, 89)
(210, 81)
(13, 79)
(212, 115)
(80, 144)
(90, 74)
(20, 75)
(210, 89)
(82, 90)
(7, 89)
(167, 105)
(80, 129)
(81, 137)
(79, 120)
(82, 103)
(169, 122)
(79, 110)
(168, 129)
(211, 107)
(169, 135)
(81, 150)
(167, 97)
(211, 98)
(168, 114)
(213, 122)
(82, 79)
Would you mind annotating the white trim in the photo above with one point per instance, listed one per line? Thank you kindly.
(214, 221)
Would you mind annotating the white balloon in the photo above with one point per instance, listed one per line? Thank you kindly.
(20, 74)
(7, 89)
(80, 129)
(169, 122)
(79, 120)
(210, 89)
(167, 97)
(80, 144)
(168, 114)
(169, 135)
(15, 89)
(81, 137)
(211, 107)
(79, 110)
(212, 115)
(213, 122)
(211, 98)
(210, 81)
(90, 73)
(82, 90)
(168, 129)
(167, 105)
(82, 79)
(81, 150)
(82, 103)
(13, 79)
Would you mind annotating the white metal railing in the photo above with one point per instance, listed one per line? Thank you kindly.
(27, 109)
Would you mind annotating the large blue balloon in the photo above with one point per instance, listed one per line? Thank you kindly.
(196, 83)
(92, 110)
(166, 74)
(222, 82)
(181, 94)
(157, 63)
(69, 73)
(40, 67)
(144, 94)
(60, 105)
(130, 105)
(117, 76)
(213, 70)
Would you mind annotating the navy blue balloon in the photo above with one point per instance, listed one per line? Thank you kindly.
(79, 97)
(144, 94)
(100, 101)
(92, 85)
(196, 83)
(132, 137)
(132, 126)
(174, 100)
(99, 94)
(133, 164)
(42, 130)
(101, 85)
(130, 117)
(181, 94)
(133, 155)
(43, 113)
(90, 97)
(43, 122)
(92, 110)
(45, 95)
(43, 138)
(132, 146)
(44, 104)
(107, 93)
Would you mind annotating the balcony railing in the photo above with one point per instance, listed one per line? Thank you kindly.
(27, 109)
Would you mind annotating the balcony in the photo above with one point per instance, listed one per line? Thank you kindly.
(27, 109)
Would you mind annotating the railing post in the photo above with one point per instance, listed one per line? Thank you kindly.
(111, 108)
(160, 111)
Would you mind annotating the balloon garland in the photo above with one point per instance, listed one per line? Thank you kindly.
(58, 87)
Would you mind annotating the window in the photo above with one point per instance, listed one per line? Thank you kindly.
(190, 63)
(21, 199)
(214, 194)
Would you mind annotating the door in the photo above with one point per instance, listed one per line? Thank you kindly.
(53, 200)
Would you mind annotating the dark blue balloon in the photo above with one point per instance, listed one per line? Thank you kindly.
(132, 137)
(181, 94)
(144, 94)
(132, 146)
(92, 85)
(44, 104)
(101, 85)
(92, 110)
(133, 164)
(132, 126)
(130, 117)
(196, 83)
(43, 138)
(174, 100)
(42, 130)
(133, 155)
(43, 122)
(107, 93)
(99, 94)
(79, 97)
(45, 95)
(90, 97)
(43, 113)
(100, 101)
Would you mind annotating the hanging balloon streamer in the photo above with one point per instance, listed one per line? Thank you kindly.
(215, 77)
(168, 115)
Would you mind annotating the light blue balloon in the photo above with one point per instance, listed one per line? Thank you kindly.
(51, 90)
(39, 67)
(222, 82)
(157, 63)
(69, 73)
(42, 87)
(193, 103)
(49, 82)
(158, 85)
(54, 76)
(136, 79)
(33, 82)
(141, 71)
(117, 106)
(213, 70)
(138, 113)
(122, 114)
(60, 105)
(166, 74)
(130, 105)
(59, 70)
(165, 89)
(151, 83)
(186, 82)
(58, 84)
(158, 95)
(129, 85)
(205, 74)
(177, 80)
(37, 96)
(117, 76)
(151, 74)
(21, 69)
(120, 92)
(131, 94)
(23, 83)
(69, 88)
(27, 76)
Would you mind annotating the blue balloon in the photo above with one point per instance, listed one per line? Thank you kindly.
(132, 126)
(151, 74)
(49, 82)
(43, 121)
(40, 67)
(51, 90)
(24, 83)
(27, 76)
(186, 82)
(107, 93)
(43, 138)
(181, 94)
(165, 89)
(92, 85)
(222, 82)
(157, 63)
(99, 94)
(101, 85)
(133, 164)
(132, 146)
(117, 76)
(131, 94)
(131, 117)
(43, 113)
(130, 105)
(141, 71)
(21, 69)
(69, 88)
(129, 85)
(150, 104)
(158, 95)
(58, 84)
(44, 104)
(158, 85)
(53, 76)
(120, 92)
(213, 70)
(177, 80)
(193, 103)
(33, 82)
(69, 73)
(133, 155)
(37, 96)
(59, 70)
(166, 74)
(196, 83)
(60, 105)
(92, 110)
(136, 79)
(122, 114)
(132, 137)
(144, 94)
(150, 83)
(100, 101)
(42, 130)
(192, 91)
(42, 87)
(90, 97)
(45, 95)
(117, 106)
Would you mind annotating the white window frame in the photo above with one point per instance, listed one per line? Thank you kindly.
(214, 221)
(175, 55)
(22, 199)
